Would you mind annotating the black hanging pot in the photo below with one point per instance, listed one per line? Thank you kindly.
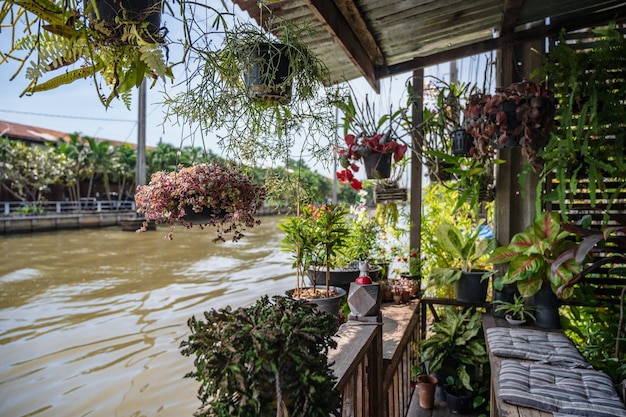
(106, 12)
(266, 73)
(462, 142)
(377, 165)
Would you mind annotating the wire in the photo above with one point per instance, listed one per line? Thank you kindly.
(104, 119)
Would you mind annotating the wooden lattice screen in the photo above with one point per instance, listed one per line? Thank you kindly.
(607, 206)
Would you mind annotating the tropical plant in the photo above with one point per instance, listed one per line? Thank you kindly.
(119, 51)
(530, 255)
(454, 345)
(270, 358)
(468, 248)
(588, 144)
(211, 194)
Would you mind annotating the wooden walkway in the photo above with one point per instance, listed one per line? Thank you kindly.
(439, 410)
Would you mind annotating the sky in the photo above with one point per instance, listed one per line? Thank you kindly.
(75, 108)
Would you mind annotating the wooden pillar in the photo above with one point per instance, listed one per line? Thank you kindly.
(515, 202)
(415, 235)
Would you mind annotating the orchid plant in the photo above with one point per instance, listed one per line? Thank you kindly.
(213, 194)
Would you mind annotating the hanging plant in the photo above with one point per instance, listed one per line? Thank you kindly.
(520, 115)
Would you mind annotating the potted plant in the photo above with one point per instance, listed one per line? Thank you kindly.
(377, 145)
(254, 122)
(515, 312)
(270, 359)
(530, 255)
(359, 245)
(454, 348)
(520, 115)
(314, 237)
(469, 252)
(210, 194)
(118, 47)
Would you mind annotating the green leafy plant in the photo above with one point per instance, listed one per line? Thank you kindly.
(222, 195)
(120, 52)
(315, 237)
(531, 253)
(270, 358)
(516, 309)
(469, 250)
(454, 345)
(588, 142)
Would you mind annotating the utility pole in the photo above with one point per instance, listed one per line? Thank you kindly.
(140, 171)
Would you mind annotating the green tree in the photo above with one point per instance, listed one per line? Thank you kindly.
(27, 172)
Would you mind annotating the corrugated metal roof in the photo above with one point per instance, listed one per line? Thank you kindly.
(377, 38)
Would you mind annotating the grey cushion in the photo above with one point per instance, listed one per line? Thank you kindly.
(536, 345)
(563, 391)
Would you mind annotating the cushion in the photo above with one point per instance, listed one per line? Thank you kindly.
(563, 391)
(536, 345)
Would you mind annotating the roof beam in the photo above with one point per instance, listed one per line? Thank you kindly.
(561, 22)
(343, 31)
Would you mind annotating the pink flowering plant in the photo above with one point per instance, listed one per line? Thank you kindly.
(212, 194)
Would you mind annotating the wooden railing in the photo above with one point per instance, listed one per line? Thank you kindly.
(373, 366)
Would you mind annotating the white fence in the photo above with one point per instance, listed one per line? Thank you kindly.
(19, 208)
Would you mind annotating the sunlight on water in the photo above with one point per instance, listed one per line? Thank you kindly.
(91, 320)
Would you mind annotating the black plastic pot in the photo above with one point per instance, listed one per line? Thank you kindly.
(470, 289)
(546, 308)
(462, 142)
(331, 305)
(507, 294)
(377, 165)
(459, 402)
(138, 11)
(341, 277)
(266, 73)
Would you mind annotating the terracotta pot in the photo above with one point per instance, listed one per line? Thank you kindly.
(426, 385)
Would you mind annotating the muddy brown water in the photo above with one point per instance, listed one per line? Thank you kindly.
(91, 320)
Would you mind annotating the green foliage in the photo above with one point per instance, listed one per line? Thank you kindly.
(363, 238)
(63, 34)
(594, 330)
(315, 237)
(454, 345)
(26, 172)
(589, 142)
(516, 309)
(531, 253)
(465, 246)
(272, 354)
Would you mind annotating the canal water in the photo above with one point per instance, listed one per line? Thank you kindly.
(91, 320)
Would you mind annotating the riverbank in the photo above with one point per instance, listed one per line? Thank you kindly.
(47, 222)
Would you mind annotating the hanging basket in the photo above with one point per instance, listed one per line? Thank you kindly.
(109, 13)
(389, 194)
(267, 72)
(462, 142)
(377, 165)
